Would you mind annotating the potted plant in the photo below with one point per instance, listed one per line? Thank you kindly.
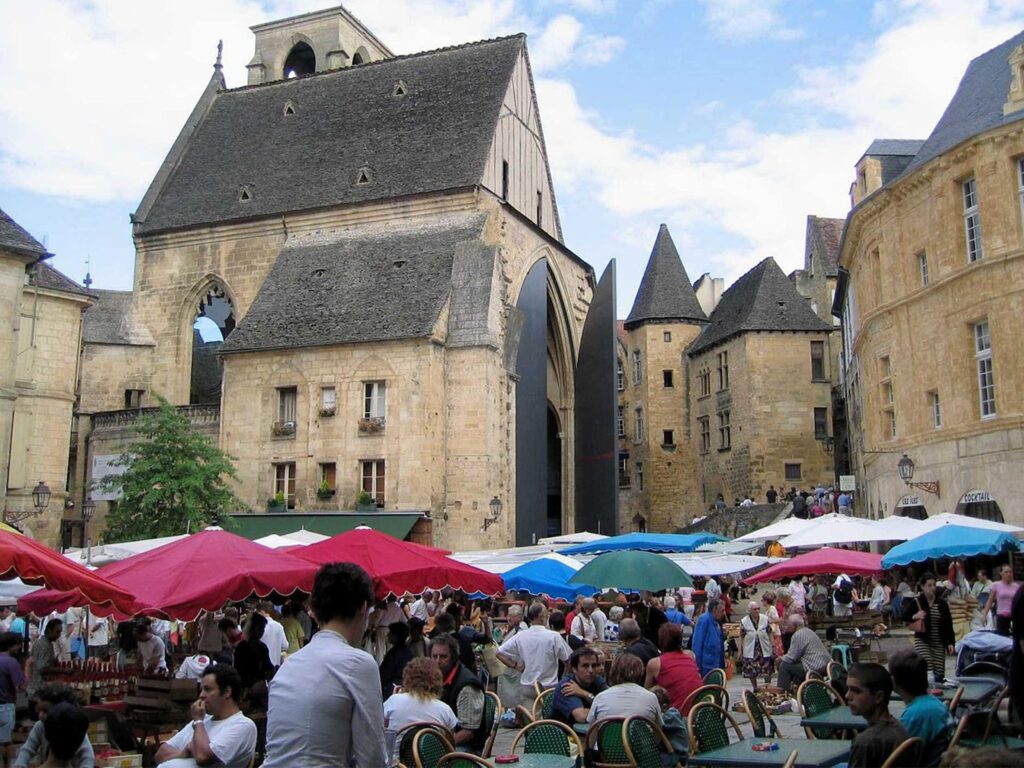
(371, 426)
(365, 502)
(324, 491)
(277, 503)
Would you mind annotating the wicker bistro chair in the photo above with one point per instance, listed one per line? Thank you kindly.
(954, 703)
(906, 755)
(816, 697)
(428, 747)
(492, 706)
(645, 742)
(714, 693)
(834, 671)
(405, 738)
(708, 725)
(715, 677)
(760, 721)
(463, 760)
(791, 760)
(543, 705)
(548, 737)
(606, 744)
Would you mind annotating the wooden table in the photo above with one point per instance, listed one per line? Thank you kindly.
(837, 719)
(811, 753)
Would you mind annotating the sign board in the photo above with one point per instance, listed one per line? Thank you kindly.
(847, 482)
(975, 497)
(103, 466)
(910, 501)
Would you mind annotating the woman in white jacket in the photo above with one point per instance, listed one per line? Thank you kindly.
(757, 645)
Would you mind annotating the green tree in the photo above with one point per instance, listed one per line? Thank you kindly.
(174, 481)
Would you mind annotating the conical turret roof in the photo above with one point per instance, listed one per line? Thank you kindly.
(665, 294)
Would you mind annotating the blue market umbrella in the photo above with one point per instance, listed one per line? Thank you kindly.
(546, 576)
(950, 541)
(648, 542)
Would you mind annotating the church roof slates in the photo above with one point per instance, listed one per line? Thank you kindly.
(435, 137)
(665, 292)
(49, 278)
(375, 285)
(15, 238)
(763, 299)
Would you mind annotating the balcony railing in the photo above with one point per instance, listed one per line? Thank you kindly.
(197, 415)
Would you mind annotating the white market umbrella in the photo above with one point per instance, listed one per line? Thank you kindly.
(777, 530)
(273, 541)
(835, 529)
(709, 564)
(583, 537)
(302, 536)
(112, 553)
(899, 528)
(948, 518)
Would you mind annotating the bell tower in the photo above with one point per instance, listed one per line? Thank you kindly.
(312, 42)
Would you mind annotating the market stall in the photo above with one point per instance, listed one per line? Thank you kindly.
(951, 541)
(648, 542)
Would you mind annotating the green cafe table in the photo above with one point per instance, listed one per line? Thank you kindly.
(811, 753)
(544, 761)
(836, 719)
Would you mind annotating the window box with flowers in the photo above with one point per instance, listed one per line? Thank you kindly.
(328, 412)
(371, 426)
(283, 429)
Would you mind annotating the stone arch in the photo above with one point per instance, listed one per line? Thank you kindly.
(208, 316)
(361, 56)
(300, 59)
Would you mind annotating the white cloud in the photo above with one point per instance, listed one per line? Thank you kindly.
(745, 198)
(748, 19)
(588, 6)
(564, 41)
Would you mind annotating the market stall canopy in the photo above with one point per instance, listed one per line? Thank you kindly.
(547, 575)
(648, 542)
(899, 528)
(33, 563)
(302, 536)
(397, 567)
(710, 564)
(583, 537)
(14, 589)
(951, 541)
(274, 541)
(776, 530)
(948, 518)
(112, 553)
(838, 529)
(824, 560)
(197, 573)
(632, 569)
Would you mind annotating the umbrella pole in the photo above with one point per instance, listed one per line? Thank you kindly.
(87, 618)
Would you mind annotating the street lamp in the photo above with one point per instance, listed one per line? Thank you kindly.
(88, 510)
(41, 496)
(905, 466)
(495, 512)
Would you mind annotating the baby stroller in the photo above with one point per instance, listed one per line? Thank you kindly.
(983, 653)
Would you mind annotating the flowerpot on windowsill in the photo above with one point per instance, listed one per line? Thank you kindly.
(367, 507)
(277, 508)
(371, 426)
(325, 495)
(326, 412)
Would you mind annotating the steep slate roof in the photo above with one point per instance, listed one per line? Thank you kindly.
(897, 147)
(436, 137)
(977, 105)
(110, 320)
(822, 238)
(349, 287)
(14, 238)
(45, 276)
(665, 292)
(761, 300)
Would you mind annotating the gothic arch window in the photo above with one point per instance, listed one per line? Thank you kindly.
(301, 60)
(213, 322)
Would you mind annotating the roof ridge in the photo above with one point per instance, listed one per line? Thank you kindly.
(379, 62)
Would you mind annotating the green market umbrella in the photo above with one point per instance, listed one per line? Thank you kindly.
(632, 569)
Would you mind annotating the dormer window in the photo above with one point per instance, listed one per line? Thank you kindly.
(400, 89)
(290, 108)
(1015, 98)
(364, 176)
(246, 192)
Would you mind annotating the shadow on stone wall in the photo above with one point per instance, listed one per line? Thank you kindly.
(737, 521)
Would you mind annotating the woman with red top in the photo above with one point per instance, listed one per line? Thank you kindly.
(675, 670)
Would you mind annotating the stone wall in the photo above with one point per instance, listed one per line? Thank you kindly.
(737, 521)
(12, 280)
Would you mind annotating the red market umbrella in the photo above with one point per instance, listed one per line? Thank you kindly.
(824, 560)
(34, 563)
(197, 573)
(400, 566)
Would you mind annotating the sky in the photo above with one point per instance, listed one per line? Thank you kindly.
(729, 120)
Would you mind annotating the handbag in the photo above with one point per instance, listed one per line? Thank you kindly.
(917, 625)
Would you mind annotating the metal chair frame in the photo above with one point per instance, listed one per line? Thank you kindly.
(695, 745)
(571, 736)
(833, 694)
(659, 735)
(912, 743)
(593, 743)
(718, 692)
(715, 676)
(420, 735)
(772, 730)
(489, 744)
(544, 700)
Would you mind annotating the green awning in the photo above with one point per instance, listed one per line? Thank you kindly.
(256, 526)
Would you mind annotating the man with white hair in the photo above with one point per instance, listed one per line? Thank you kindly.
(673, 615)
(806, 654)
(611, 628)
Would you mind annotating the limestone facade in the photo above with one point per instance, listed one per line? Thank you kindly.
(12, 282)
(931, 317)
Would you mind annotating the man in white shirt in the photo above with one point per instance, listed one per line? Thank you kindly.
(535, 653)
(326, 708)
(150, 649)
(219, 733)
(418, 609)
(273, 636)
(712, 590)
(98, 637)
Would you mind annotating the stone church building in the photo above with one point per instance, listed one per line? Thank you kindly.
(351, 273)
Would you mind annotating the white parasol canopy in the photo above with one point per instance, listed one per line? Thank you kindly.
(776, 530)
(112, 553)
(839, 529)
(948, 518)
(274, 541)
(302, 536)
